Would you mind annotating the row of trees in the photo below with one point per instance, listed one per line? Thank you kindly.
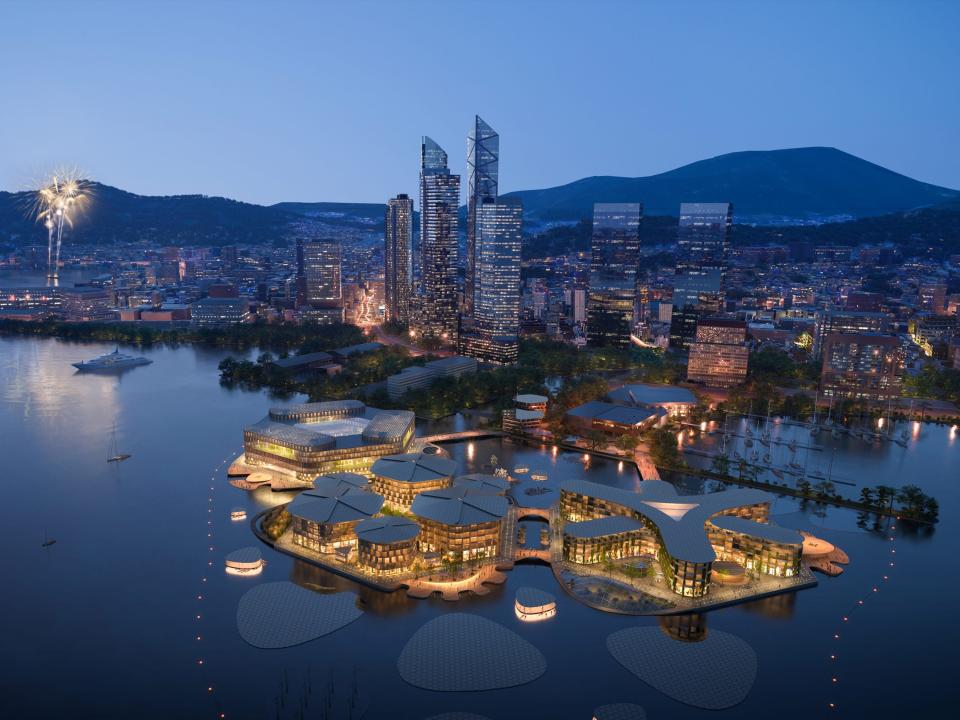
(273, 336)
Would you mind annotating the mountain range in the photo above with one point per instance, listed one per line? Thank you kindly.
(776, 187)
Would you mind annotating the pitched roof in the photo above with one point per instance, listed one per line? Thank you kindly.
(353, 505)
(414, 467)
(387, 530)
(457, 506)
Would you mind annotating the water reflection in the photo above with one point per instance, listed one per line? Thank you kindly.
(777, 607)
(689, 627)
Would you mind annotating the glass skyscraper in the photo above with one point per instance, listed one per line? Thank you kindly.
(439, 206)
(319, 289)
(499, 239)
(614, 262)
(703, 243)
(397, 250)
(483, 166)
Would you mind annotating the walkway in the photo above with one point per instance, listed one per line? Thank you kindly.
(462, 435)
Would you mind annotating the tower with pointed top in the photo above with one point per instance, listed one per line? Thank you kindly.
(483, 161)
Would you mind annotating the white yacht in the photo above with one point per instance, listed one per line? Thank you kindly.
(111, 361)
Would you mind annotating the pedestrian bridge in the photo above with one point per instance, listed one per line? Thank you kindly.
(463, 435)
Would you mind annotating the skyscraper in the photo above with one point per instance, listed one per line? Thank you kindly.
(439, 206)
(703, 242)
(496, 326)
(398, 246)
(614, 261)
(319, 291)
(483, 161)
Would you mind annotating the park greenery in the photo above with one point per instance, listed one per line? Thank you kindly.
(931, 382)
(279, 337)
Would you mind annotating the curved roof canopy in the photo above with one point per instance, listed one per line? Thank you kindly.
(458, 506)
(414, 467)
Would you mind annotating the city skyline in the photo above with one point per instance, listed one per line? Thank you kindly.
(793, 98)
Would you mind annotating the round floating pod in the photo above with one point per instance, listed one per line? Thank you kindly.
(430, 450)
(258, 478)
(726, 572)
(532, 604)
(620, 711)
(245, 561)
(238, 513)
(814, 547)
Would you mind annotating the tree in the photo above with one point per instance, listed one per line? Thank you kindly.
(866, 496)
(596, 439)
(628, 442)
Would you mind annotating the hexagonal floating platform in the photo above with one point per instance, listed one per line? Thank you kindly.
(459, 652)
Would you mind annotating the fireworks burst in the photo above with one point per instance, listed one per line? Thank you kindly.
(56, 203)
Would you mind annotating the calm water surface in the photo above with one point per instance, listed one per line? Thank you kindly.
(104, 623)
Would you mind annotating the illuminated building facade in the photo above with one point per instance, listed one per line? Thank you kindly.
(614, 262)
(439, 208)
(720, 355)
(703, 244)
(862, 367)
(841, 320)
(397, 254)
(400, 478)
(319, 287)
(387, 545)
(87, 304)
(483, 166)
(459, 524)
(303, 441)
(685, 533)
(496, 278)
(327, 524)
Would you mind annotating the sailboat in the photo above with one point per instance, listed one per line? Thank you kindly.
(48, 541)
(113, 454)
(815, 430)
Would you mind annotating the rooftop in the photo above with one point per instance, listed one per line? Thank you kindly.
(612, 525)
(480, 483)
(336, 484)
(458, 506)
(609, 412)
(643, 394)
(530, 398)
(387, 530)
(351, 506)
(680, 519)
(773, 533)
(414, 467)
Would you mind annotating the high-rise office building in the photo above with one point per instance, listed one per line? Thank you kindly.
(703, 242)
(319, 290)
(483, 161)
(397, 250)
(932, 295)
(496, 326)
(614, 262)
(439, 206)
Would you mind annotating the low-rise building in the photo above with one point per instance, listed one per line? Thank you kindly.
(686, 534)
(460, 524)
(306, 440)
(209, 312)
(387, 545)
(611, 418)
(400, 478)
(416, 377)
(326, 524)
(677, 402)
(527, 414)
(87, 304)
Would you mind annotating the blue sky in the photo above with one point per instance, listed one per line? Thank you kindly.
(327, 101)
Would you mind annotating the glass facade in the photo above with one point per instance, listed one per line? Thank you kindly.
(439, 208)
(399, 494)
(318, 278)
(397, 255)
(614, 262)
(496, 326)
(483, 161)
(703, 244)
(386, 558)
(460, 542)
(862, 367)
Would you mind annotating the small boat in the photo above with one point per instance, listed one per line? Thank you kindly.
(816, 475)
(837, 432)
(766, 458)
(538, 476)
(111, 361)
(238, 514)
(48, 541)
(521, 470)
(815, 430)
(114, 455)
(792, 445)
(795, 465)
(777, 473)
(748, 443)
